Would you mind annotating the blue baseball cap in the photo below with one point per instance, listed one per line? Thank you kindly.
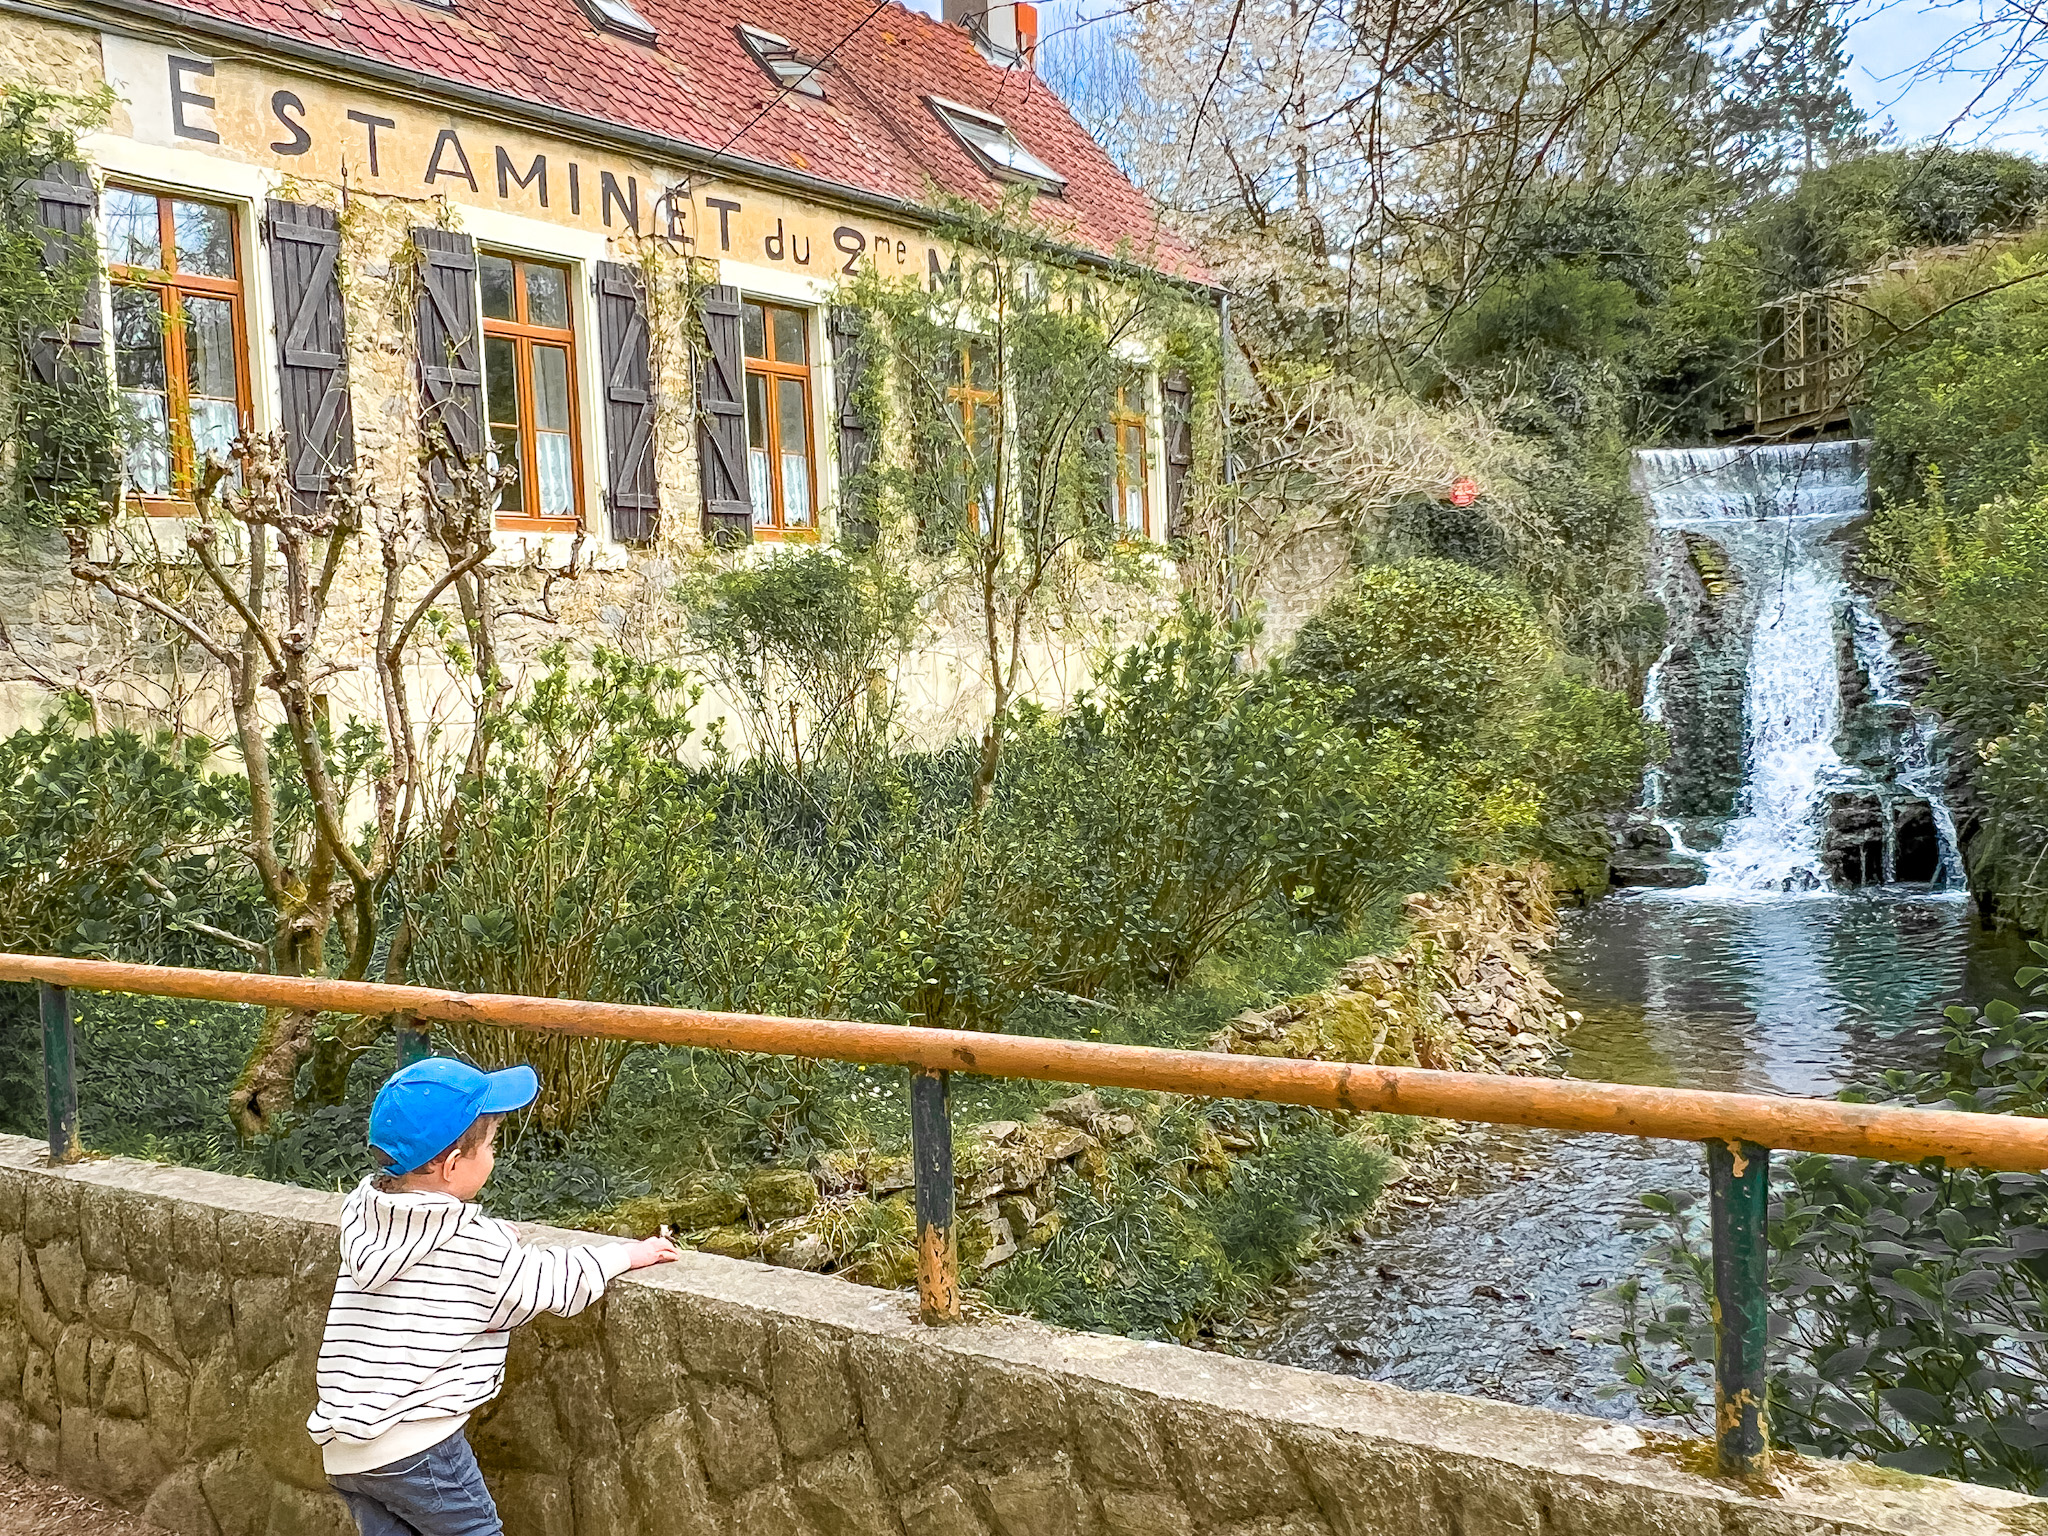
(423, 1109)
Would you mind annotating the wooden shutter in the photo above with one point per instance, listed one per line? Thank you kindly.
(65, 208)
(623, 353)
(1107, 451)
(722, 421)
(73, 357)
(312, 347)
(451, 348)
(858, 528)
(1177, 398)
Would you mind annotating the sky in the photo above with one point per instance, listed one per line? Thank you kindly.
(1887, 38)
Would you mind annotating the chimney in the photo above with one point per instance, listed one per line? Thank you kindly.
(1005, 32)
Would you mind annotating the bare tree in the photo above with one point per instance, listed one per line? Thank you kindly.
(1004, 375)
(1353, 168)
(272, 590)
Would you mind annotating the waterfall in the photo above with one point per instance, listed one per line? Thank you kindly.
(1749, 557)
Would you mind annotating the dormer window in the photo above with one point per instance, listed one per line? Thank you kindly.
(994, 147)
(618, 17)
(778, 60)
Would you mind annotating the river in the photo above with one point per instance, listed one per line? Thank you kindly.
(1496, 1289)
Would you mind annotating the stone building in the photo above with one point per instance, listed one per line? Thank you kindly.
(598, 241)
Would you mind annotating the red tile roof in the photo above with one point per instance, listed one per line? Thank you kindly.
(872, 132)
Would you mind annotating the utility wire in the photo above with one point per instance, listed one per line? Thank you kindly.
(777, 99)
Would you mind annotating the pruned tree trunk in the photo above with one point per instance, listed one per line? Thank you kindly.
(268, 1085)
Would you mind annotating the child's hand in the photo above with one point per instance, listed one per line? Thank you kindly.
(652, 1250)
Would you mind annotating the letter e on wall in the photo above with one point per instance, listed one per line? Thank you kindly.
(170, 93)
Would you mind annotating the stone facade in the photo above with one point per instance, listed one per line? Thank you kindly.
(158, 1329)
(581, 589)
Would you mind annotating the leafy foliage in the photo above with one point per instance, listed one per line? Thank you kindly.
(1972, 584)
(1448, 654)
(1844, 219)
(800, 641)
(1179, 800)
(1909, 1304)
(1457, 662)
(1958, 396)
(111, 844)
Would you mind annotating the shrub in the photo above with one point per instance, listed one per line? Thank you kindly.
(1176, 801)
(1588, 748)
(1559, 306)
(1447, 654)
(594, 862)
(798, 641)
(115, 844)
(2011, 834)
(1958, 385)
(1155, 1250)
(1456, 661)
(1972, 584)
(1845, 218)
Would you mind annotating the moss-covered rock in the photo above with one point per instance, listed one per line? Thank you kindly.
(731, 1243)
(777, 1194)
(706, 1202)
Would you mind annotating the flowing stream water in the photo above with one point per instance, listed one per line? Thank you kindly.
(1494, 1289)
(1767, 977)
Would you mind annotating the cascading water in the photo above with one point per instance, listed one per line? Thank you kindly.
(1752, 574)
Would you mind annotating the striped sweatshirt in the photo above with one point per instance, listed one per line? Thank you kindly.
(429, 1289)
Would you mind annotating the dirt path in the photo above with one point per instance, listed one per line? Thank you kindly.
(32, 1508)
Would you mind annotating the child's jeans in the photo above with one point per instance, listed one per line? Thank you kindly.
(439, 1492)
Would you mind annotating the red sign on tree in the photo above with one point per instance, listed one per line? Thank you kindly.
(1464, 491)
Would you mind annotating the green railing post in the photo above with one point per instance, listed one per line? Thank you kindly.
(1739, 1184)
(412, 1045)
(931, 1162)
(60, 1074)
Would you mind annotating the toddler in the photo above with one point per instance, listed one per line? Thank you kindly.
(430, 1288)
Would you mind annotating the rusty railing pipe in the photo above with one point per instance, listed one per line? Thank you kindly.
(2004, 1143)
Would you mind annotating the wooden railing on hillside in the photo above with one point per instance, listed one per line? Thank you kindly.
(1737, 1130)
(1814, 348)
(1809, 362)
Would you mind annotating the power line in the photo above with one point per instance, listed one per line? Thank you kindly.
(777, 99)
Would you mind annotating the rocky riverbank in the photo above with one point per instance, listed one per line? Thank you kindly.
(1466, 993)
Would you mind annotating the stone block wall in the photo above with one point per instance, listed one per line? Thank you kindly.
(158, 1329)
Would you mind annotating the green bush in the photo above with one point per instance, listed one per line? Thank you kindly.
(1588, 748)
(1456, 661)
(115, 844)
(594, 861)
(606, 852)
(1958, 385)
(1972, 585)
(1179, 799)
(1557, 307)
(798, 641)
(2010, 836)
(1449, 655)
(1843, 219)
(1160, 1247)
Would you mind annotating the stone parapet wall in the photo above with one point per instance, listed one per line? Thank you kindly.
(158, 1328)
